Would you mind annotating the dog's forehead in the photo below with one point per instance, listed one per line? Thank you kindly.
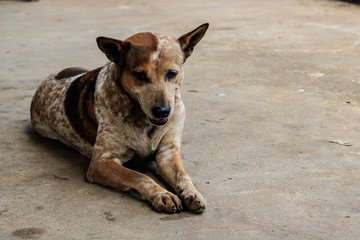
(155, 46)
(167, 45)
(144, 40)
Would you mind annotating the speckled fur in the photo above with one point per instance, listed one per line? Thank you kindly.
(122, 107)
(48, 114)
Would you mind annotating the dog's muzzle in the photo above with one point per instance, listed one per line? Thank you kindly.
(159, 121)
(161, 115)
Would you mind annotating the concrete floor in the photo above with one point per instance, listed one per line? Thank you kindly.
(267, 89)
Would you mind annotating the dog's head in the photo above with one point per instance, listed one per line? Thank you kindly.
(151, 68)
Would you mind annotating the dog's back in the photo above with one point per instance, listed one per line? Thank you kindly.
(53, 102)
(70, 72)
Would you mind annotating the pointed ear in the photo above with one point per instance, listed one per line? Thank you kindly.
(189, 40)
(112, 48)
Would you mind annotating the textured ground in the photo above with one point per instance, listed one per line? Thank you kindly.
(268, 87)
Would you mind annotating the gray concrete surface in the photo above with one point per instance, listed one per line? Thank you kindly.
(266, 90)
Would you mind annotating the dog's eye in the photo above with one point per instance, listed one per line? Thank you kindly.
(171, 74)
(141, 76)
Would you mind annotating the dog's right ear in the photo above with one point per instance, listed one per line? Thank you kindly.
(114, 49)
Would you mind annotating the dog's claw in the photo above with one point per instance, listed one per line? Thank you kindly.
(192, 197)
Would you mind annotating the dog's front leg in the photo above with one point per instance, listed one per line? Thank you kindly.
(106, 169)
(170, 168)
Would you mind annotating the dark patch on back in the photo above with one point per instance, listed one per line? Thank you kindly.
(80, 108)
(70, 72)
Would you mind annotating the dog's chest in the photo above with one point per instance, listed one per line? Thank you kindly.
(145, 141)
(123, 136)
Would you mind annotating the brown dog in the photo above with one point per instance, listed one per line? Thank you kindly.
(128, 109)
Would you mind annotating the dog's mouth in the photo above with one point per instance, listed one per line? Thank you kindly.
(159, 121)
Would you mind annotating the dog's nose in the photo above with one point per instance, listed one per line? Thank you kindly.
(161, 112)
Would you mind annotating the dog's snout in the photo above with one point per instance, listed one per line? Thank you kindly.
(161, 112)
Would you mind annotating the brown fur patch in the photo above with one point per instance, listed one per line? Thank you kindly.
(70, 72)
(146, 40)
(143, 45)
(79, 106)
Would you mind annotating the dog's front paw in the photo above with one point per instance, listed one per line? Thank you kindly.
(193, 200)
(166, 202)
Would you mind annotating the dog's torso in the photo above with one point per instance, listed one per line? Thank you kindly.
(72, 109)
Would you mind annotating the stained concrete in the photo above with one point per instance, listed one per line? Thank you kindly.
(268, 87)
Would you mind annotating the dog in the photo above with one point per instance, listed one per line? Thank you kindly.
(128, 109)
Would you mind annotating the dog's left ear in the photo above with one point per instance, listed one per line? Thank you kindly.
(189, 40)
(112, 48)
